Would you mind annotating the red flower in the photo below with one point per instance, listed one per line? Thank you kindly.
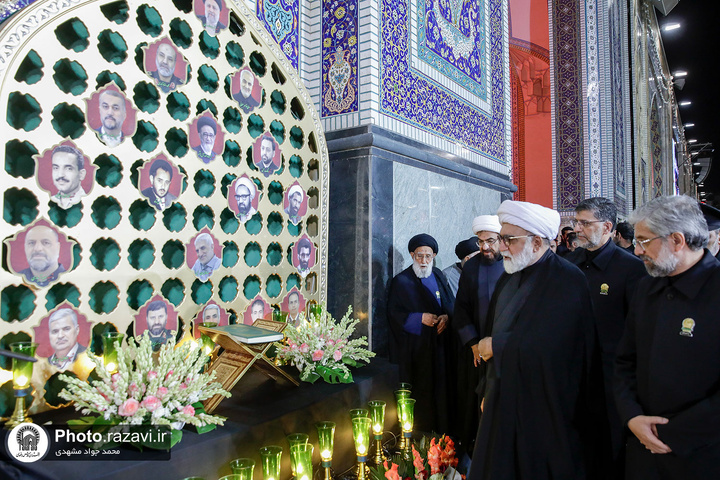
(434, 461)
(392, 474)
(419, 464)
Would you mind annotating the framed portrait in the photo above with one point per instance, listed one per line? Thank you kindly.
(294, 304)
(40, 253)
(246, 89)
(65, 173)
(165, 65)
(206, 137)
(303, 255)
(62, 336)
(204, 254)
(213, 14)
(159, 318)
(111, 115)
(160, 182)
(210, 313)
(295, 203)
(257, 308)
(266, 154)
(243, 198)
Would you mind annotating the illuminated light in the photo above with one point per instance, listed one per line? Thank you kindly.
(21, 381)
(377, 428)
(326, 455)
(408, 426)
(692, 140)
(207, 350)
(111, 367)
(299, 468)
(670, 26)
(361, 448)
(689, 125)
(304, 477)
(685, 103)
(680, 74)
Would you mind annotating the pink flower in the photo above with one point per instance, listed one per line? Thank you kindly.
(183, 386)
(103, 395)
(317, 355)
(337, 356)
(151, 375)
(115, 377)
(151, 403)
(434, 457)
(392, 474)
(133, 389)
(161, 392)
(417, 461)
(129, 407)
(189, 410)
(304, 348)
(169, 374)
(330, 342)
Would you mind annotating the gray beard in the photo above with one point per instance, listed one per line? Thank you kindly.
(520, 261)
(419, 271)
(664, 265)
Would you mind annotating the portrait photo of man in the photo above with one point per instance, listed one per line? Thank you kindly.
(266, 154)
(207, 137)
(207, 261)
(113, 111)
(165, 65)
(303, 256)
(43, 246)
(245, 201)
(294, 304)
(246, 90)
(160, 174)
(210, 313)
(256, 310)
(63, 332)
(209, 12)
(295, 203)
(156, 322)
(68, 172)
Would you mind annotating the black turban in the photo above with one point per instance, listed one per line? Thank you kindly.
(712, 216)
(422, 240)
(206, 122)
(466, 247)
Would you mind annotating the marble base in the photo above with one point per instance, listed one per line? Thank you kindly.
(384, 189)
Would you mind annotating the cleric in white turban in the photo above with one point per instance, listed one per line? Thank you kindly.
(542, 360)
(486, 223)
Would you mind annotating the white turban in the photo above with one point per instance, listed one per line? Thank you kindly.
(296, 189)
(536, 219)
(249, 184)
(488, 223)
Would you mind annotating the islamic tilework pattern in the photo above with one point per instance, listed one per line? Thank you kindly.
(412, 98)
(452, 40)
(656, 149)
(593, 97)
(339, 57)
(281, 20)
(568, 106)
(618, 107)
(8, 7)
(518, 136)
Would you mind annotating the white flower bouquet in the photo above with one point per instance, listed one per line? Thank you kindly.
(163, 388)
(321, 348)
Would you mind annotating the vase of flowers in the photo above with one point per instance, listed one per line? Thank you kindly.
(433, 458)
(320, 347)
(148, 388)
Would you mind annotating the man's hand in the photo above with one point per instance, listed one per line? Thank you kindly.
(442, 323)
(485, 348)
(476, 354)
(645, 430)
(429, 319)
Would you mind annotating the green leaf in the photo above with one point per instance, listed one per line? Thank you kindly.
(205, 428)
(333, 375)
(175, 437)
(351, 362)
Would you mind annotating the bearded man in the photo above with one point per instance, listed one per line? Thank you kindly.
(418, 309)
(475, 289)
(667, 371)
(539, 420)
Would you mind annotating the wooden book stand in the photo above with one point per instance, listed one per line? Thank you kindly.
(239, 357)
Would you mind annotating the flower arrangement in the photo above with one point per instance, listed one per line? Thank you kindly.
(145, 391)
(432, 459)
(321, 348)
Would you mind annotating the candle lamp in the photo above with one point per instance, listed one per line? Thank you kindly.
(204, 342)
(279, 316)
(358, 412)
(22, 374)
(326, 440)
(377, 417)
(243, 468)
(405, 386)
(407, 413)
(111, 342)
(270, 457)
(296, 439)
(399, 396)
(301, 456)
(314, 311)
(361, 435)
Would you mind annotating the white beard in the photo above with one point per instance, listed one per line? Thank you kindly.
(665, 264)
(593, 240)
(520, 261)
(422, 271)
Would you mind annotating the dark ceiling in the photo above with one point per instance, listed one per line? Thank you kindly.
(690, 48)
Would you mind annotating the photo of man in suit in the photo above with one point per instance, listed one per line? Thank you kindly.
(112, 111)
(164, 75)
(211, 16)
(244, 96)
(304, 252)
(42, 251)
(161, 174)
(63, 332)
(264, 157)
(68, 171)
(207, 262)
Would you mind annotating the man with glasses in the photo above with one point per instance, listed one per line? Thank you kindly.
(475, 289)
(207, 131)
(667, 372)
(541, 417)
(612, 274)
(418, 309)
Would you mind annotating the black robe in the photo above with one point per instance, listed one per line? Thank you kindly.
(544, 415)
(422, 358)
(668, 364)
(476, 286)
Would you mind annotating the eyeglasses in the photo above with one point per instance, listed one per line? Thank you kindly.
(424, 256)
(510, 239)
(207, 135)
(642, 243)
(584, 223)
(489, 242)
